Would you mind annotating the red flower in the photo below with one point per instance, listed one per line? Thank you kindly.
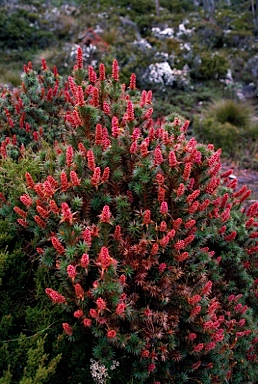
(91, 160)
(158, 158)
(26, 200)
(86, 235)
(164, 208)
(67, 328)
(85, 260)
(111, 334)
(180, 190)
(74, 179)
(151, 367)
(132, 81)
(20, 212)
(180, 244)
(196, 365)
(147, 217)
(105, 215)
(57, 245)
(120, 308)
(78, 314)
(95, 180)
(105, 175)
(79, 58)
(115, 70)
(69, 156)
(197, 348)
(79, 292)
(102, 74)
(56, 297)
(87, 322)
(101, 304)
(71, 271)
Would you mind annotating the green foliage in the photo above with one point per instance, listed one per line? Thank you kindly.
(17, 30)
(227, 124)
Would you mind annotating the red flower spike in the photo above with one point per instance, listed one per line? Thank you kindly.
(79, 292)
(148, 114)
(43, 65)
(154, 249)
(231, 236)
(29, 180)
(115, 127)
(106, 108)
(72, 86)
(20, 212)
(105, 215)
(43, 212)
(26, 200)
(75, 181)
(71, 272)
(180, 244)
(95, 97)
(193, 196)
(41, 223)
(164, 208)
(95, 180)
(80, 96)
(91, 160)
(130, 111)
(105, 176)
(57, 245)
(180, 190)
(102, 72)
(187, 171)
(82, 149)
(158, 158)
(98, 134)
(151, 367)
(64, 181)
(111, 334)
(67, 329)
(132, 81)
(149, 97)
(56, 297)
(143, 98)
(69, 156)
(79, 58)
(147, 217)
(117, 233)
(87, 322)
(78, 314)
(144, 149)
(182, 256)
(195, 311)
(101, 304)
(86, 235)
(115, 71)
(85, 260)
(92, 75)
(53, 207)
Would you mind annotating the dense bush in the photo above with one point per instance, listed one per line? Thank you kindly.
(34, 112)
(148, 249)
(228, 125)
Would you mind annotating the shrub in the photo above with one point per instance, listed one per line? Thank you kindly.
(151, 249)
(32, 113)
(226, 124)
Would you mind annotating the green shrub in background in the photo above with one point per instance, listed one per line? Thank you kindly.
(228, 125)
(144, 248)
